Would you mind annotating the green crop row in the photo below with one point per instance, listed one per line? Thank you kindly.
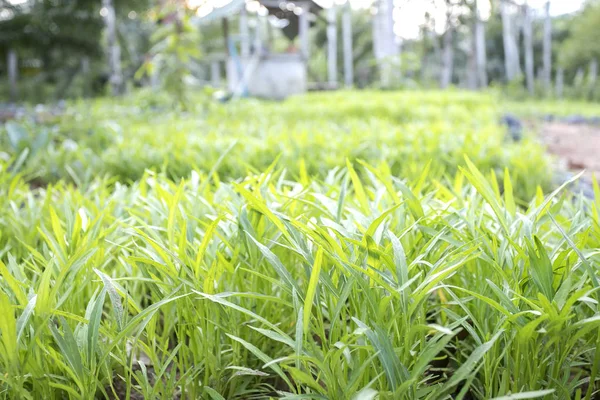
(333, 246)
(336, 288)
(406, 130)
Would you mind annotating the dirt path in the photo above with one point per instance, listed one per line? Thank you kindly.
(577, 147)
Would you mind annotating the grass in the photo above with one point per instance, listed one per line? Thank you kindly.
(299, 282)
(555, 108)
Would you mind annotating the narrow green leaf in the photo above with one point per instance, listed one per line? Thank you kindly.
(312, 289)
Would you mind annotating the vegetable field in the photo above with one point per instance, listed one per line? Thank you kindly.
(327, 247)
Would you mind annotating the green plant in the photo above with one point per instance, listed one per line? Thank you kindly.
(382, 277)
(175, 46)
(313, 134)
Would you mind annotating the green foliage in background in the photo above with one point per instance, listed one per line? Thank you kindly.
(406, 130)
(582, 46)
(174, 48)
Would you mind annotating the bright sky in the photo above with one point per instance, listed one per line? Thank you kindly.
(411, 14)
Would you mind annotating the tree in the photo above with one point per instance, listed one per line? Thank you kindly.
(62, 41)
(480, 48)
(52, 37)
(175, 45)
(528, 44)
(582, 45)
(384, 40)
(547, 71)
(448, 47)
(113, 48)
(511, 55)
(355, 53)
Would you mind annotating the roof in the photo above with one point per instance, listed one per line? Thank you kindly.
(281, 9)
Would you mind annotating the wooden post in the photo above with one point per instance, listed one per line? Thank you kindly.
(13, 74)
(114, 50)
(304, 25)
(547, 49)
(332, 46)
(528, 43)
(347, 42)
(244, 34)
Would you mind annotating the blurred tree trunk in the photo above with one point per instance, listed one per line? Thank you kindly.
(593, 78)
(578, 81)
(87, 79)
(560, 82)
(426, 37)
(472, 62)
(244, 34)
(593, 73)
(480, 50)
(448, 47)
(528, 43)
(215, 74)
(332, 46)
(13, 73)
(547, 50)
(511, 57)
(303, 32)
(347, 42)
(114, 50)
(384, 44)
(447, 56)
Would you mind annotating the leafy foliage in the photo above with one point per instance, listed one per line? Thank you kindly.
(174, 48)
(123, 138)
(432, 282)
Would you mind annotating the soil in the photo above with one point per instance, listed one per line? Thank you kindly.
(577, 147)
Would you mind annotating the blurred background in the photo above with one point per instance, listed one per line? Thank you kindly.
(61, 49)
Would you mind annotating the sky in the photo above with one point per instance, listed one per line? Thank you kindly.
(410, 15)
